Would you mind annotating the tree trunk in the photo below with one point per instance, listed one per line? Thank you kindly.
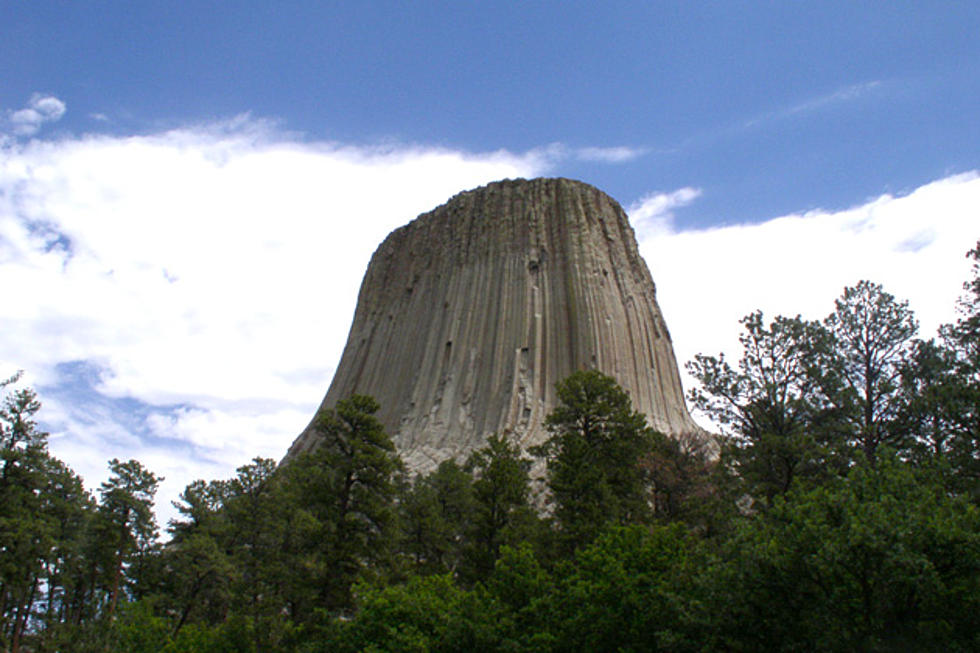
(21, 619)
(114, 592)
(191, 602)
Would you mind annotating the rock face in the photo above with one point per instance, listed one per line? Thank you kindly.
(468, 315)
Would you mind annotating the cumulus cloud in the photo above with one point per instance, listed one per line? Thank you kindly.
(183, 297)
(205, 275)
(914, 245)
(39, 110)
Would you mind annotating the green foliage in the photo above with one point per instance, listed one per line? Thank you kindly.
(871, 336)
(771, 403)
(26, 537)
(44, 516)
(346, 488)
(502, 512)
(880, 560)
(959, 401)
(125, 527)
(930, 393)
(621, 593)
(597, 443)
(429, 613)
(435, 512)
(841, 515)
(457, 519)
(686, 484)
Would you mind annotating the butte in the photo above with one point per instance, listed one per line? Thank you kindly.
(469, 315)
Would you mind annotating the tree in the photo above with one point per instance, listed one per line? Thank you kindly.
(593, 455)
(200, 556)
(769, 405)
(683, 477)
(26, 528)
(871, 337)
(620, 593)
(931, 392)
(941, 387)
(961, 341)
(126, 524)
(502, 512)
(435, 513)
(266, 538)
(347, 485)
(882, 560)
(427, 613)
(69, 509)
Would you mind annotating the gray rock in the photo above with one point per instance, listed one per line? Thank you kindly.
(468, 315)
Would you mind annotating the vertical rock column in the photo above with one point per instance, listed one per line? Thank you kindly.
(469, 315)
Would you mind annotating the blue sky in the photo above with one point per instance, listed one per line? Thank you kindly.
(189, 192)
(771, 106)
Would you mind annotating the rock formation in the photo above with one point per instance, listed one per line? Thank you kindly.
(468, 315)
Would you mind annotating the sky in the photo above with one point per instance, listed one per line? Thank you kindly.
(190, 192)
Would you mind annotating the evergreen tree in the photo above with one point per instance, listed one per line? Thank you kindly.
(502, 512)
(684, 479)
(961, 403)
(597, 443)
(620, 593)
(26, 528)
(770, 405)
(259, 537)
(930, 392)
(435, 511)
(882, 560)
(70, 509)
(347, 485)
(126, 526)
(872, 335)
(200, 557)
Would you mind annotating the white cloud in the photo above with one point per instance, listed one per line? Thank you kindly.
(914, 245)
(39, 110)
(554, 153)
(210, 275)
(609, 154)
(213, 268)
(810, 105)
(653, 214)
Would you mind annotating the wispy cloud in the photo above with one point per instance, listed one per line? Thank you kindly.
(609, 154)
(555, 153)
(818, 103)
(39, 110)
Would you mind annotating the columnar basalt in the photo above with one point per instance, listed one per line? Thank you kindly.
(468, 315)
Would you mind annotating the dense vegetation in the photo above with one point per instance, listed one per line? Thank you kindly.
(839, 513)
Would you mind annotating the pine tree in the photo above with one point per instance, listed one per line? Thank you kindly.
(597, 443)
(502, 512)
(872, 335)
(770, 405)
(126, 525)
(347, 485)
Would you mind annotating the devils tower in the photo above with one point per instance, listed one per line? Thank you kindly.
(468, 315)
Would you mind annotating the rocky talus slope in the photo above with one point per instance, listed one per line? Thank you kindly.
(468, 315)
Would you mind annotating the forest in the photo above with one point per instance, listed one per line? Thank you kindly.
(836, 511)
